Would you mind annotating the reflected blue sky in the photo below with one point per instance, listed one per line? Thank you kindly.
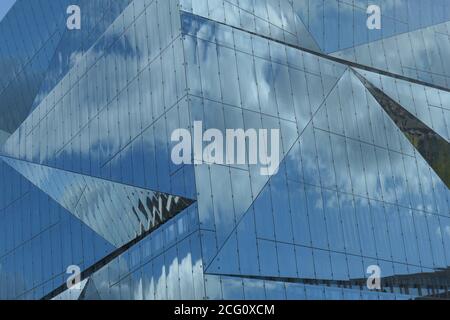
(5, 5)
(77, 171)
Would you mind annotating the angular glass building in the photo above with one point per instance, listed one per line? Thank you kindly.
(87, 180)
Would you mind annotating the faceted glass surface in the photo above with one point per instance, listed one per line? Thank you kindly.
(86, 171)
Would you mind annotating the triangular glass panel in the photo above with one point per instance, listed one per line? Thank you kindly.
(433, 148)
(429, 105)
(117, 212)
(90, 291)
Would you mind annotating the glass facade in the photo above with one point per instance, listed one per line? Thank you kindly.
(87, 176)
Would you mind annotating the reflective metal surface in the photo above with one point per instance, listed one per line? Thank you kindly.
(85, 150)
